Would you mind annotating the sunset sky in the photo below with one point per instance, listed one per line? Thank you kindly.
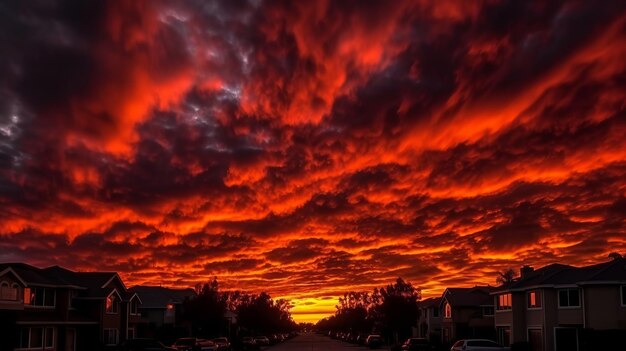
(308, 148)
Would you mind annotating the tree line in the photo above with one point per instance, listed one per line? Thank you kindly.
(390, 311)
(256, 314)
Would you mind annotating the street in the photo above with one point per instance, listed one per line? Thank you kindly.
(315, 342)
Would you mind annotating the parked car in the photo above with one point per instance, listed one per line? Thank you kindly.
(417, 344)
(143, 344)
(262, 340)
(275, 339)
(222, 344)
(477, 345)
(374, 341)
(194, 344)
(248, 343)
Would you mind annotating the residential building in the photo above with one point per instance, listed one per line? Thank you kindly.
(467, 313)
(162, 306)
(429, 319)
(58, 309)
(564, 308)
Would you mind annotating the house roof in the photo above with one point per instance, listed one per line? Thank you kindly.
(94, 282)
(34, 276)
(469, 297)
(56, 276)
(613, 271)
(430, 302)
(160, 297)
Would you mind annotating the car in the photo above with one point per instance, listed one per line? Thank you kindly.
(477, 345)
(374, 341)
(417, 344)
(262, 340)
(194, 344)
(222, 344)
(144, 344)
(274, 339)
(248, 343)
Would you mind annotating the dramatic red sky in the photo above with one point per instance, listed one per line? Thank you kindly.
(308, 148)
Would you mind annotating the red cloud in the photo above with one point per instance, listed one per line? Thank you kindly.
(315, 147)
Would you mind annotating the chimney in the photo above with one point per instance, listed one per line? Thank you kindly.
(525, 271)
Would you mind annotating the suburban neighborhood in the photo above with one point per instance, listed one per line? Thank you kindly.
(553, 308)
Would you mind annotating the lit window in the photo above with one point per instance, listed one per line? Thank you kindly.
(112, 304)
(447, 310)
(534, 299)
(504, 302)
(40, 297)
(569, 298)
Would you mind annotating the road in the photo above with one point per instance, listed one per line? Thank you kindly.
(315, 342)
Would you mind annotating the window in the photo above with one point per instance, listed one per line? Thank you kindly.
(504, 335)
(111, 336)
(134, 307)
(487, 310)
(49, 338)
(36, 337)
(40, 297)
(8, 292)
(447, 310)
(24, 338)
(534, 299)
(504, 302)
(435, 312)
(131, 333)
(569, 298)
(623, 294)
(169, 311)
(71, 296)
(112, 304)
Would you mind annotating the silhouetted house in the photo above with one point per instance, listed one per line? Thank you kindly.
(467, 313)
(58, 309)
(429, 319)
(162, 306)
(560, 307)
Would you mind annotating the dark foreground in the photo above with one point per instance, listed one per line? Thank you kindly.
(314, 342)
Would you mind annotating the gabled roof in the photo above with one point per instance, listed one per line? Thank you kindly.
(555, 275)
(95, 283)
(160, 297)
(469, 297)
(6, 270)
(35, 276)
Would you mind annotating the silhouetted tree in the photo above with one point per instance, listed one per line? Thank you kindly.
(398, 310)
(506, 277)
(261, 314)
(206, 310)
(391, 310)
(615, 256)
